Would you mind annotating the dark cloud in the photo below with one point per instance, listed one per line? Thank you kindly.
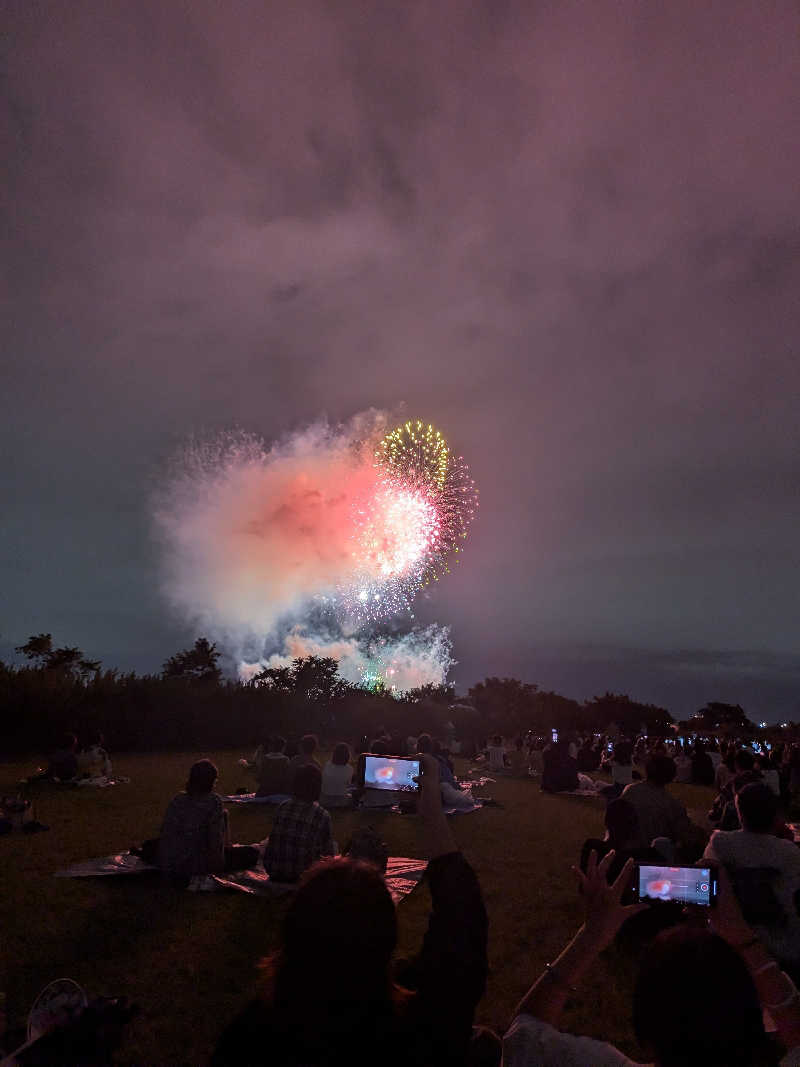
(567, 233)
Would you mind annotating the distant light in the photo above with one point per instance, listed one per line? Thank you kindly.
(784, 724)
(762, 725)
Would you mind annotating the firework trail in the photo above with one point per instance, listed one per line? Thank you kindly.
(345, 523)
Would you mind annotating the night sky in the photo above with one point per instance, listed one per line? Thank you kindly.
(566, 233)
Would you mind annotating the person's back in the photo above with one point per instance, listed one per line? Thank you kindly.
(702, 767)
(274, 770)
(768, 895)
(496, 754)
(302, 831)
(658, 813)
(560, 773)
(337, 777)
(305, 756)
(63, 764)
(192, 837)
(518, 760)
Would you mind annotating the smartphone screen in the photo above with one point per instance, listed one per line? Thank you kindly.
(391, 773)
(686, 885)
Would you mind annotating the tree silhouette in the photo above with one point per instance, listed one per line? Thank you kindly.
(196, 664)
(68, 660)
(313, 678)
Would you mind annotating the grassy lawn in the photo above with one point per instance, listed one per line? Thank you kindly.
(189, 959)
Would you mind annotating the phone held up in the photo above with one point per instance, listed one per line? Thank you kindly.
(390, 773)
(679, 885)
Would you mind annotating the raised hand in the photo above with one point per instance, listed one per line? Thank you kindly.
(605, 912)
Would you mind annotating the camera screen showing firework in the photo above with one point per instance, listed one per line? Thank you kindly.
(409, 527)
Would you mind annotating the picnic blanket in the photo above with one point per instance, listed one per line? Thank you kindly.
(402, 874)
(251, 798)
(102, 782)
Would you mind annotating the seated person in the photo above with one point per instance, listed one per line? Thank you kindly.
(327, 996)
(769, 774)
(275, 773)
(560, 772)
(723, 811)
(683, 766)
(496, 754)
(658, 813)
(621, 826)
(702, 766)
(194, 835)
(302, 831)
(337, 778)
(63, 765)
(536, 756)
(764, 870)
(518, 760)
(588, 757)
(699, 999)
(305, 756)
(93, 760)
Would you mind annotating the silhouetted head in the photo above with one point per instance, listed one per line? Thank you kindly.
(68, 741)
(341, 755)
(621, 821)
(308, 744)
(307, 784)
(744, 760)
(276, 743)
(695, 1003)
(757, 806)
(338, 937)
(660, 770)
(424, 743)
(202, 776)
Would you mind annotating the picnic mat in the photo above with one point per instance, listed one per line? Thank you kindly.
(251, 798)
(402, 874)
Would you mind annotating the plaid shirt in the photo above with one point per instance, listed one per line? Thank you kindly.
(301, 833)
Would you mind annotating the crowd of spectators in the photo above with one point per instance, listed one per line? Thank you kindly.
(704, 989)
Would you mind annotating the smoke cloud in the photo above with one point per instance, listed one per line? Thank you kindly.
(258, 549)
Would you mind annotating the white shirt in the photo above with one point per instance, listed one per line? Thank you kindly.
(736, 849)
(336, 779)
(533, 1043)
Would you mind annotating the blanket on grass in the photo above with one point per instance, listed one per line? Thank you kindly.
(251, 798)
(402, 874)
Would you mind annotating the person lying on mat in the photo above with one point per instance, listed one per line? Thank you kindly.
(327, 996)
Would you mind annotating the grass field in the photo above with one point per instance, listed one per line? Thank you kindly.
(189, 959)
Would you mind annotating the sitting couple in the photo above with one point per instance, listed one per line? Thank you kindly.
(195, 835)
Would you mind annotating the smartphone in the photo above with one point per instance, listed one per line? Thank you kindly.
(609, 747)
(555, 736)
(683, 885)
(391, 773)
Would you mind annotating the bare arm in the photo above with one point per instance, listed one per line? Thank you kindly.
(437, 837)
(776, 990)
(605, 914)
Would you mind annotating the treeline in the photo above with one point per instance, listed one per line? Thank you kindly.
(190, 705)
